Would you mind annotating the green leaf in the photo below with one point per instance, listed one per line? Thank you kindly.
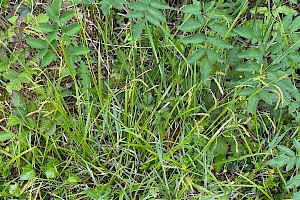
(296, 195)
(56, 6)
(152, 19)
(293, 182)
(194, 39)
(159, 5)
(17, 100)
(138, 29)
(37, 43)
(295, 24)
(205, 70)
(214, 56)
(138, 6)
(253, 103)
(157, 14)
(250, 53)
(192, 9)
(286, 10)
(73, 178)
(247, 91)
(280, 160)
(190, 25)
(265, 96)
(49, 170)
(244, 31)
(52, 13)
(13, 85)
(28, 173)
(248, 67)
(13, 120)
(286, 150)
(5, 135)
(136, 14)
(296, 143)
(66, 16)
(290, 165)
(219, 42)
(196, 56)
(71, 29)
(48, 59)
(46, 27)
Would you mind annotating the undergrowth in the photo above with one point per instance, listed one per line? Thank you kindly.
(149, 99)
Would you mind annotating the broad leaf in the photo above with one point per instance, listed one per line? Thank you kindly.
(5, 135)
(293, 182)
(253, 103)
(190, 25)
(37, 43)
(196, 56)
(28, 173)
(194, 39)
(138, 29)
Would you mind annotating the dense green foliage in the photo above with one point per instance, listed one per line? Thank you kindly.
(149, 99)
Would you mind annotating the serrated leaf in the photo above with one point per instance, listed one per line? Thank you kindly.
(248, 67)
(212, 55)
(48, 59)
(159, 5)
(194, 39)
(56, 5)
(37, 43)
(17, 100)
(219, 42)
(295, 25)
(247, 91)
(138, 6)
(66, 16)
(190, 25)
(286, 10)
(138, 29)
(5, 135)
(293, 182)
(205, 70)
(71, 29)
(250, 53)
(152, 19)
(280, 160)
(196, 56)
(253, 103)
(192, 9)
(244, 31)
(28, 173)
(136, 14)
(13, 120)
(46, 27)
(265, 96)
(157, 14)
(51, 12)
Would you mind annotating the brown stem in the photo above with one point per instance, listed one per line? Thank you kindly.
(10, 8)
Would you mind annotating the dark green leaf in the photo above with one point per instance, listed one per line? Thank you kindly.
(192, 9)
(17, 100)
(51, 13)
(138, 29)
(248, 67)
(157, 14)
(194, 39)
(247, 91)
(219, 42)
(48, 59)
(253, 103)
(159, 5)
(37, 43)
(205, 70)
(152, 19)
(46, 27)
(190, 25)
(196, 56)
(212, 55)
(66, 16)
(286, 10)
(244, 31)
(138, 6)
(136, 14)
(250, 53)
(71, 29)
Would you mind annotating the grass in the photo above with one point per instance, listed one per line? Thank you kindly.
(134, 120)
